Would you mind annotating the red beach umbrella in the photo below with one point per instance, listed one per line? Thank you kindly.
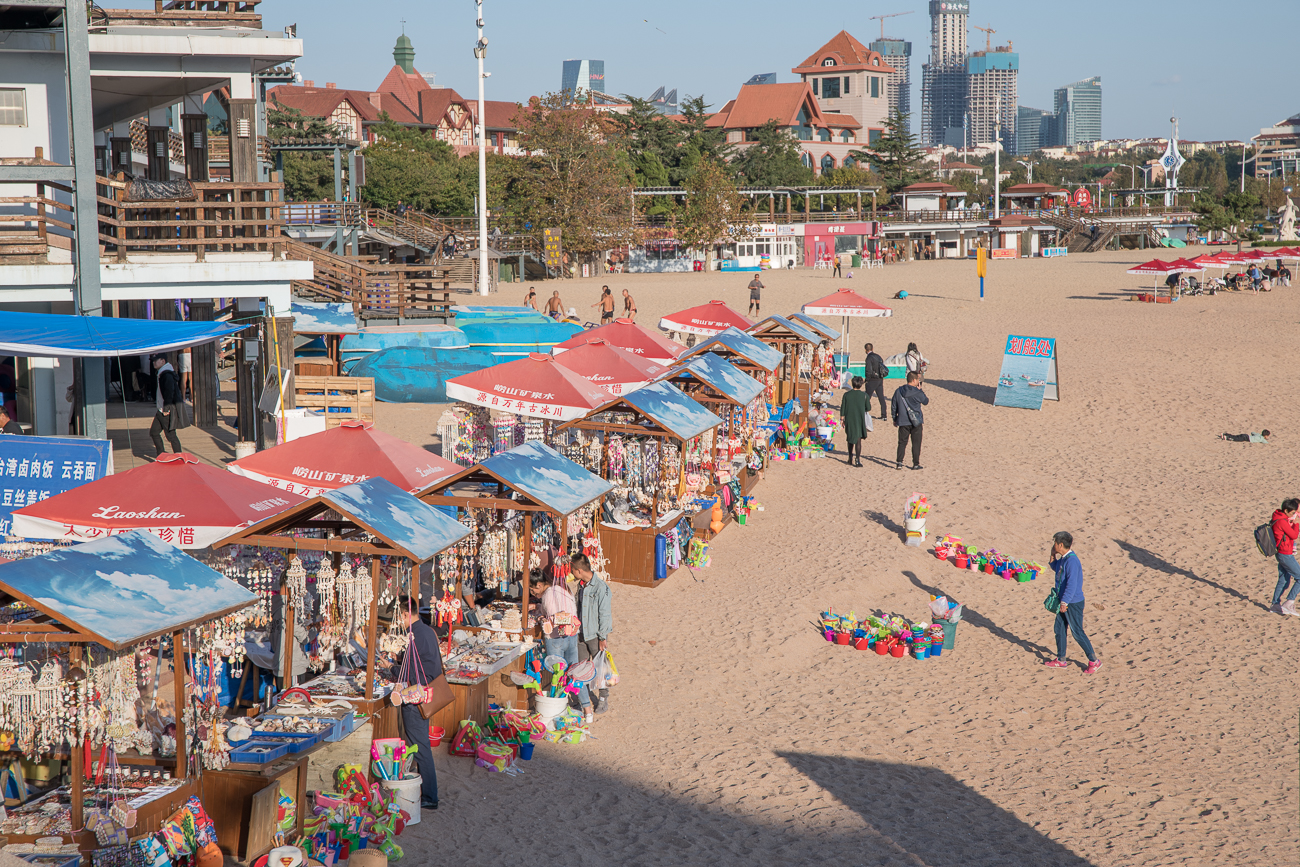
(707, 319)
(536, 386)
(626, 334)
(352, 452)
(178, 499)
(616, 370)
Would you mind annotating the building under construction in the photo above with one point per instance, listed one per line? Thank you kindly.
(944, 81)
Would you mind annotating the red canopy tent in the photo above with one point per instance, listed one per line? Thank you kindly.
(626, 334)
(845, 303)
(1159, 267)
(352, 452)
(176, 498)
(707, 319)
(613, 369)
(536, 386)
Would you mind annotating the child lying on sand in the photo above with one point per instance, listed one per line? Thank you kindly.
(1261, 437)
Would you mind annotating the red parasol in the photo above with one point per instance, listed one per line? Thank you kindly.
(535, 386)
(626, 334)
(707, 319)
(845, 302)
(178, 499)
(609, 367)
(352, 452)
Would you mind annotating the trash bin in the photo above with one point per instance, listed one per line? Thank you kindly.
(949, 634)
(857, 260)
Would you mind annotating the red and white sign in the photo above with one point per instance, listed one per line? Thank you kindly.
(1004, 253)
(536, 386)
(845, 302)
(176, 498)
(707, 319)
(1081, 198)
(615, 370)
(350, 453)
(871, 229)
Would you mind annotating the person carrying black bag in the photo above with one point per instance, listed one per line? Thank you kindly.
(171, 415)
(908, 400)
(874, 372)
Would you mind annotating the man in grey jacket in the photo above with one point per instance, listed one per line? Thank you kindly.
(593, 599)
(908, 400)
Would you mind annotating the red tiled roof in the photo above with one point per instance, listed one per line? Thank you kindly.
(759, 103)
(962, 166)
(321, 101)
(406, 86)
(848, 53)
(498, 114)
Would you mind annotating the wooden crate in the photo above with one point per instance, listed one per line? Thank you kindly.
(341, 398)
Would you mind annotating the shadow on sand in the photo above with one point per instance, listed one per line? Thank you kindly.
(979, 621)
(981, 393)
(1149, 560)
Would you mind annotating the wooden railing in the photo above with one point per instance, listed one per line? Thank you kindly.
(382, 289)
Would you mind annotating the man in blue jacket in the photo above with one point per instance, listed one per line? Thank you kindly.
(908, 400)
(1069, 589)
(593, 597)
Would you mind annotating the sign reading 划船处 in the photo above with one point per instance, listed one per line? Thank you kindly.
(1028, 373)
(36, 468)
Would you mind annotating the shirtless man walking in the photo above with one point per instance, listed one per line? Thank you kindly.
(606, 305)
(554, 306)
(629, 306)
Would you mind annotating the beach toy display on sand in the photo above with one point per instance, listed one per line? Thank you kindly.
(991, 561)
(893, 635)
(914, 519)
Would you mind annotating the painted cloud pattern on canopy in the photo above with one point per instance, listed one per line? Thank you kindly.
(393, 513)
(312, 317)
(725, 377)
(672, 409)
(548, 477)
(742, 344)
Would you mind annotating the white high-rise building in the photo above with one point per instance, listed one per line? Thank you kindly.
(944, 79)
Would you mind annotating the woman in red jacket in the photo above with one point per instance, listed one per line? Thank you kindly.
(1285, 531)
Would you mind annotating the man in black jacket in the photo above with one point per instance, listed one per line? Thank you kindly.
(874, 373)
(908, 400)
(170, 416)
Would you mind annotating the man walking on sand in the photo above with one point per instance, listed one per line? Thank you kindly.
(1069, 589)
(594, 610)
(629, 306)
(554, 306)
(755, 292)
(874, 372)
(908, 400)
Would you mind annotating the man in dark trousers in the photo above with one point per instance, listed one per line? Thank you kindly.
(755, 296)
(424, 641)
(908, 400)
(874, 372)
(170, 416)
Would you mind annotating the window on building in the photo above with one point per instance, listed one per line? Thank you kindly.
(846, 85)
(873, 136)
(849, 162)
(831, 88)
(828, 163)
(13, 106)
(830, 61)
(805, 159)
(814, 82)
(875, 86)
(823, 135)
(846, 135)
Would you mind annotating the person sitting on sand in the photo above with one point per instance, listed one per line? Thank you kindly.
(530, 300)
(1261, 437)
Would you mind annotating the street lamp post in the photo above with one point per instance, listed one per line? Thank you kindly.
(1029, 166)
(480, 52)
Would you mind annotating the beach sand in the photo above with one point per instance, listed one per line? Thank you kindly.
(738, 736)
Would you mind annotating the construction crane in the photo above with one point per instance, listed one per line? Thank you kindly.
(988, 36)
(881, 19)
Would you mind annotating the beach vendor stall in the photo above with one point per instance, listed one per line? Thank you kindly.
(526, 509)
(706, 320)
(738, 451)
(642, 442)
(743, 350)
(796, 343)
(352, 452)
(510, 404)
(626, 334)
(176, 498)
(107, 690)
(615, 370)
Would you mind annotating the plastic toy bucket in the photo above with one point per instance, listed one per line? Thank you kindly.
(526, 751)
(961, 561)
(898, 650)
(436, 734)
(881, 648)
(843, 638)
(406, 792)
(862, 644)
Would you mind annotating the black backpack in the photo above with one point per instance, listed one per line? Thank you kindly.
(1265, 541)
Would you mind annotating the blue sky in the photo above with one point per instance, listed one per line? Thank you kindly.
(1218, 66)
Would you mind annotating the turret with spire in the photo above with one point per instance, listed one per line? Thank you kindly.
(404, 53)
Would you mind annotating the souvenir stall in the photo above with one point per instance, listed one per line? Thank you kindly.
(526, 509)
(847, 305)
(796, 343)
(615, 370)
(107, 690)
(738, 450)
(826, 373)
(748, 354)
(176, 498)
(638, 443)
(508, 405)
(335, 538)
(627, 335)
(705, 320)
(352, 452)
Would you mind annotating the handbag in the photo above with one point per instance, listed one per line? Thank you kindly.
(869, 427)
(439, 696)
(1053, 602)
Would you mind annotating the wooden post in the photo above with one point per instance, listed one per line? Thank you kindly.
(78, 761)
(178, 672)
(372, 630)
(525, 599)
(287, 639)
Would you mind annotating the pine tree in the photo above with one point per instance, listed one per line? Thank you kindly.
(895, 156)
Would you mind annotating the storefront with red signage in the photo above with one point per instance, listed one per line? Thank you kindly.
(822, 242)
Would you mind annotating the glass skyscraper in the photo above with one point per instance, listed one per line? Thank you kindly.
(581, 76)
(1078, 112)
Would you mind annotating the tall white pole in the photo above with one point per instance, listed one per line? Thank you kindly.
(997, 160)
(480, 51)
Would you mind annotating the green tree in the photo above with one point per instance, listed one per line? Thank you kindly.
(575, 177)
(895, 156)
(713, 209)
(771, 158)
(699, 140)
(308, 176)
(1234, 213)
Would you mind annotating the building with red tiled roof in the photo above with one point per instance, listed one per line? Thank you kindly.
(824, 138)
(849, 78)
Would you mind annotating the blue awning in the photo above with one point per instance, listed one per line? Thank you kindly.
(798, 329)
(745, 345)
(124, 589)
(52, 335)
(815, 325)
(721, 375)
(673, 410)
(313, 317)
(415, 528)
(547, 476)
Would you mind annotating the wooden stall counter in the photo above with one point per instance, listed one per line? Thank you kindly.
(630, 551)
(242, 801)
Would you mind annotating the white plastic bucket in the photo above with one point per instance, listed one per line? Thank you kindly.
(913, 524)
(549, 708)
(407, 793)
(244, 448)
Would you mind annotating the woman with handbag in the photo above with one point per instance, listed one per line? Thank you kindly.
(424, 670)
(560, 626)
(1066, 601)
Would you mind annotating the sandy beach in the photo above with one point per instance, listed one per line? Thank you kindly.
(738, 736)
